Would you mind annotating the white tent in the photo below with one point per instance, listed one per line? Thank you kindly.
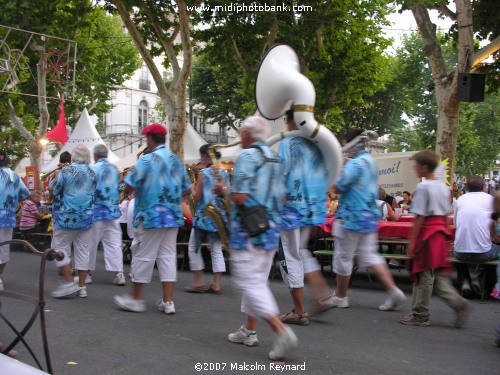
(192, 143)
(84, 133)
(127, 161)
(232, 153)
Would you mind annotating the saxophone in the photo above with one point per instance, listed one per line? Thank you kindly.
(211, 210)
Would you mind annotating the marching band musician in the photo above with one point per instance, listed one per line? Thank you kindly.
(13, 191)
(160, 181)
(204, 227)
(251, 257)
(356, 225)
(73, 192)
(306, 185)
(106, 228)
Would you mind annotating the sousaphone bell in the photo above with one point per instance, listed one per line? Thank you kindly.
(280, 84)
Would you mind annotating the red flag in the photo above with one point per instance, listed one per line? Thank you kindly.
(59, 133)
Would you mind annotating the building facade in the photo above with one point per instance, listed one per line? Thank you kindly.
(136, 105)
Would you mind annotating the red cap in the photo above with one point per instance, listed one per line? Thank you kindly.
(154, 129)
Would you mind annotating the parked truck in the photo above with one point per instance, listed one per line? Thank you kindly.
(395, 171)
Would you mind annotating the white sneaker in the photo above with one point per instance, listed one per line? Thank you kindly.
(88, 279)
(65, 290)
(335, 301)
(128, 304)
(119, 279)
(1, 284)
(244, 336)
(82, 292)
(283, 343)
(395, 298)
(167, 307)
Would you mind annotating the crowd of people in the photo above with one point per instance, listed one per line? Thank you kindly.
(275, 199)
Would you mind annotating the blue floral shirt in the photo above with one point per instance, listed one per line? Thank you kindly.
(357, 184)
(107, 196)
(258, 180)
(159, 178)
(209, 180)
(305, 176)
(74, 196)
(11, 192)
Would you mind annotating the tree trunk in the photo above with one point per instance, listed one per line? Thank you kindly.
(446, 84)
(174, 98)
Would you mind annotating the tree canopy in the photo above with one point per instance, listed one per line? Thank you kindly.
(339, 44)
(105, 58)
(477, 145)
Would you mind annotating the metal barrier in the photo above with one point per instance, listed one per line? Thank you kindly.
(39, 303)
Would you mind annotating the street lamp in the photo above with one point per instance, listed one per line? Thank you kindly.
(43, 142)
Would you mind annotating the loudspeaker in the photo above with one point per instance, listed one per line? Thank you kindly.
(471, 87)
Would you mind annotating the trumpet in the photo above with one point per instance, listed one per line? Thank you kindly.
(52, 173)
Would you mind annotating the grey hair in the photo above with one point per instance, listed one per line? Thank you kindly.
(80, 154)
(100, 151)
(257, 127)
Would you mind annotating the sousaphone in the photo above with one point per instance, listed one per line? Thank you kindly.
(280, 84)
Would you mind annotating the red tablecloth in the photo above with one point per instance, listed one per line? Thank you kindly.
(188, 223)
(327, 227)
(394, 229)
(407, 219)
(411, 219)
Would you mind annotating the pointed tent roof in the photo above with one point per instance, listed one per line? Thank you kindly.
(192, 143)
(276, 126)
(84, 133)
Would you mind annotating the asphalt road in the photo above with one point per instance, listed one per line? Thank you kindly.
(91, 336)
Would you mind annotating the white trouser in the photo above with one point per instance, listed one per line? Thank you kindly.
(250, 269)
(298, 259)
(196, 262)
(348, 244)
(110, 234)
(152, 245)
(5, 235)
(62, 240)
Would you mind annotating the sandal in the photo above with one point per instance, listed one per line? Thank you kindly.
(195, 289)
(293, 318)
(213, 291)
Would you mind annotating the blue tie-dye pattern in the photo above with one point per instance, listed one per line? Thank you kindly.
(200, 220)
(305, 175)
(249, 179)
(107, 196)
(357, 184)
(74, 197)
(11, 192)
(159, 178)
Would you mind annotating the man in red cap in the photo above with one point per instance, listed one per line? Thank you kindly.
(160, 181)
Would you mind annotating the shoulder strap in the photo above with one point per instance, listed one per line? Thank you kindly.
(266, 160)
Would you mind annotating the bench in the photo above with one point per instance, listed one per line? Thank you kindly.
(44, 239)
(329, 254)
(324, 257)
